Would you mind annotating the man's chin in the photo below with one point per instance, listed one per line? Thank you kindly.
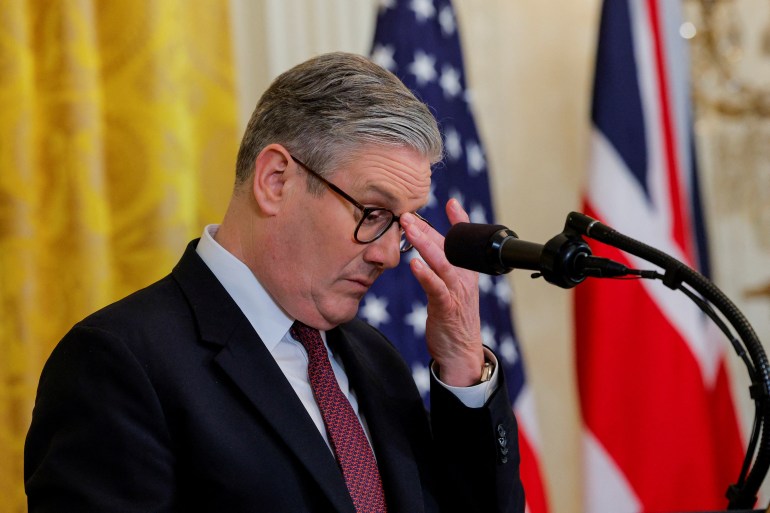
(344, 310)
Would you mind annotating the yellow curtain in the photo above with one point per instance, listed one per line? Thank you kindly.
(117, 145)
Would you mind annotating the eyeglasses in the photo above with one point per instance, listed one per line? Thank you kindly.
(374, 222)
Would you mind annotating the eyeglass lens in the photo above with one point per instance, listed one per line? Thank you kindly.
(375, 223)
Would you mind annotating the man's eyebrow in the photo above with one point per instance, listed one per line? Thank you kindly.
(389, 196)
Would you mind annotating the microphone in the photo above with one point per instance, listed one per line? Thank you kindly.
(564, 261)
(479, 247)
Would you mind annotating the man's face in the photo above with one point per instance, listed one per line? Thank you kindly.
(324, 272)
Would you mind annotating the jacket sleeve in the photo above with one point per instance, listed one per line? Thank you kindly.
(98, 439)
(477, 453)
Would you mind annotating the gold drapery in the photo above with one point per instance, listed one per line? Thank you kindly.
(117, 144)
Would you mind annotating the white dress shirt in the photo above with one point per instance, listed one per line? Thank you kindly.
(272, 325)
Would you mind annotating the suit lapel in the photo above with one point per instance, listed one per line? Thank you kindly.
(395, 457)
(246, 361)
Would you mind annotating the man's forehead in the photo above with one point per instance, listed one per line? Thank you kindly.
(391, 173)
(398, 199)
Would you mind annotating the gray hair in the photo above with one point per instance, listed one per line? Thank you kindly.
(326, 108)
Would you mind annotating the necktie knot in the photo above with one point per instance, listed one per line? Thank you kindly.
(305, 335)
(311, 340)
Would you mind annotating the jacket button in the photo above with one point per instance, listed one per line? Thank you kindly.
(502, 443)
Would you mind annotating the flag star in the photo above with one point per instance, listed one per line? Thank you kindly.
(450, 81)
(475, 156)
(383, 55)
(417, 318)
(421, 377)
(446, 18)
(478, 214)
(452, 143)
(485, 283)
(468, 96)
(508, 350)
(423, 9)
(457, 195)
(423, 67)
(488, 336)
(386, 4)
(503, 291)
(375, 310)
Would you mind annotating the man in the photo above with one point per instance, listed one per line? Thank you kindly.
(213, 389)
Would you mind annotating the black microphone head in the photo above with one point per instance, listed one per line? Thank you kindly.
(477, 247)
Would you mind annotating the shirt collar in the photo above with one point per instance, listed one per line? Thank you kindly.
(267, 318)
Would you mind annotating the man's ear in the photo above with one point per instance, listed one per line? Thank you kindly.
(270, 178)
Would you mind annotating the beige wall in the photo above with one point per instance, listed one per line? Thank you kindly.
(529, 65)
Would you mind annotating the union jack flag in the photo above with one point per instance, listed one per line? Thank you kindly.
(660, 429)
(418, 41)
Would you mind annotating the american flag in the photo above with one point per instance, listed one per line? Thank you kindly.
(418, 41)
(660, 430)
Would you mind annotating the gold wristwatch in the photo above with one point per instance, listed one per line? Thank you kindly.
(486, 371)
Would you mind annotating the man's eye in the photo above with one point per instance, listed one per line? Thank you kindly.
(377, 217)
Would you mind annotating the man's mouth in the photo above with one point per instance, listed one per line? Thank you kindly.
(364, 283)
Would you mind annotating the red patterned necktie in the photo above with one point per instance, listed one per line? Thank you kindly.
(346, 435)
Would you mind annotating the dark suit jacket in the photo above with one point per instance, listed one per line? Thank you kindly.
(168, 401)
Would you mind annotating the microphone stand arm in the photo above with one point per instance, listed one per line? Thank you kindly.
(743, 494)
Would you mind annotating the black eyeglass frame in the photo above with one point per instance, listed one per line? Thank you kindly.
(365, 212)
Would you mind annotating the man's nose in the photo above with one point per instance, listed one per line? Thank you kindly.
(385, 252)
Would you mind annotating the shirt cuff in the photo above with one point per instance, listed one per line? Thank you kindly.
(474, 396)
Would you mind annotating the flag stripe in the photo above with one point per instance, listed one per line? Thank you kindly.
(530, 475)
(679, 215)
(619, 113)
